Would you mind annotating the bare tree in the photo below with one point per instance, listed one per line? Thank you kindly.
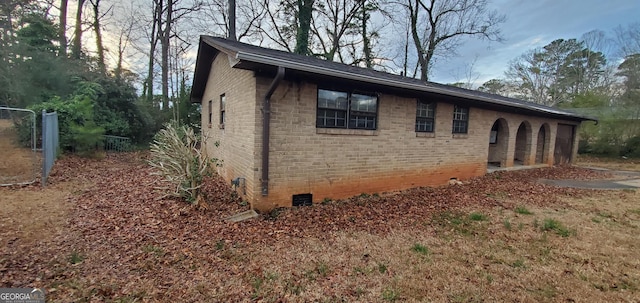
(125, 28)
(467, 76)
(628, 39)
(336, 19)
(289, 24)
(558, 72)
(445, 22)
(62, 31)
(171, 12)
(77, 39)
(528, 72)
(281, 24)
(215, 18)
(153, 36)
(97, 27)
(165, 38)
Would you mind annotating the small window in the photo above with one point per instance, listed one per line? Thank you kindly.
(222, 110)
(493, 136)
(210, 112)
(344, 110)
(425, 115)
(460, 119)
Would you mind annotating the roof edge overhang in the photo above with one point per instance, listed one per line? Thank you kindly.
(257, 58)
(274, 62)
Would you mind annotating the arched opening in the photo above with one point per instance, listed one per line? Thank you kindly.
(498, 142)
(523, 144)
(542, 147)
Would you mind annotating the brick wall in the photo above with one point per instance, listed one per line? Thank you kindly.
(238, 138)
(339, 163)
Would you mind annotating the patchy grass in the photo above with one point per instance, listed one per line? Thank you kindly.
(477, 217)
(523, 210)
(420, 249)
(117, 243)
(554, 225)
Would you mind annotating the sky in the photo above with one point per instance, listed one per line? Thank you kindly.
(531, 24)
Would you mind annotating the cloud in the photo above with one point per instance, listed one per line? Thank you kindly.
(532, 24)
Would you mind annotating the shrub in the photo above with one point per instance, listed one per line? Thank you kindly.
(632, 147)
(176, 154)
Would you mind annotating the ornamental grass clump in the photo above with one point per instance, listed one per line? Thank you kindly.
(181, 159)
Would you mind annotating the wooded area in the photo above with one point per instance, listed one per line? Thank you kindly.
(124, 68)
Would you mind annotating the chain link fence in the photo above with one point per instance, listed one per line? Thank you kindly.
(20, 161)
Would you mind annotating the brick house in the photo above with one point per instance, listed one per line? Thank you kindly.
(293, 129)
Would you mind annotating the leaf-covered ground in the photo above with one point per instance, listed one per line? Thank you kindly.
(112, 239)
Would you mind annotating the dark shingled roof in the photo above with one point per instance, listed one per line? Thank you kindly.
(267, 60)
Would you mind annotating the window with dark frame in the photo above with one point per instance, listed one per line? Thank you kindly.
(425, 116)
(223, 100)
(210, 112)
(337, 109)
(493, 136)
(460, 119)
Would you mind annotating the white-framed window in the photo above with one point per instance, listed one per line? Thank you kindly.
(425, 116)
(460, 120)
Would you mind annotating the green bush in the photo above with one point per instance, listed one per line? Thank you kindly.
(584, 147)
(87, 138)
(77, 128)
(632, 148)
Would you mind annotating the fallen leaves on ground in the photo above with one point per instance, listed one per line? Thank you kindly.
(122, 241)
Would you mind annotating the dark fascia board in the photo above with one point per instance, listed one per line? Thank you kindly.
(484, 98)
(206, 54)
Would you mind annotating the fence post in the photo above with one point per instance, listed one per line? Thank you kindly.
(44, 148)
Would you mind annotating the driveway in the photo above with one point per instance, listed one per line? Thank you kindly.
(621, 180)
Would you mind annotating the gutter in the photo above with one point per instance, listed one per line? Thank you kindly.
(399, 84)
(266, 124)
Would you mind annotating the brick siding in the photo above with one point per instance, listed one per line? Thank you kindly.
(338, 163)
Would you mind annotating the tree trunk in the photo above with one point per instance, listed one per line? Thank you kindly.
(305, 12)
(166, 35)
(98, 31)
(366, 43)
(232, 20)
(62, 31)
(413, 11)
(77, 40)
(123, 40)
(157, 21)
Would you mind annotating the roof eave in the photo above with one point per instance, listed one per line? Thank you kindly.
(386, 82)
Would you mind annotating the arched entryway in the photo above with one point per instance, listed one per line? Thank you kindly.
(542, 146)
(498, 142)
(523, 144)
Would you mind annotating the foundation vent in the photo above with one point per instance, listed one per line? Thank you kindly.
(302, 200)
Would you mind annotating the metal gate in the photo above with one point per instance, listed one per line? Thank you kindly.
(19, 159)
(564, 144)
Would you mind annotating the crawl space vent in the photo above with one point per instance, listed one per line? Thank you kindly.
(302, 200)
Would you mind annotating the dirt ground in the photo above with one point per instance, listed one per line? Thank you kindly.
(108, 237)
(17, 164)
(32, 214)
